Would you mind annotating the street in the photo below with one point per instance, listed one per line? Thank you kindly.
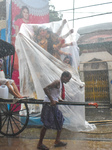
(99, 139)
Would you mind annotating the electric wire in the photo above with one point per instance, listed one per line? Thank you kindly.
(91, 16)
(83, 7)
(86, 12)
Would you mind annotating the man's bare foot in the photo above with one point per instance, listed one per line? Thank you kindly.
(42, 147)
(60, 144)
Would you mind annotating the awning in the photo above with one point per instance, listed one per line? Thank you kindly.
(6, 49)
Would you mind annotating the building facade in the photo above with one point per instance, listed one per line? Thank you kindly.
(95, 45)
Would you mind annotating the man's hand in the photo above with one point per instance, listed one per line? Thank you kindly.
(53, 102)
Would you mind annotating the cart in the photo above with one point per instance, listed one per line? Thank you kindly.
(10, 115)
(12, 119)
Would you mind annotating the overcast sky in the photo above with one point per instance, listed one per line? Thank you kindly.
(68, 4)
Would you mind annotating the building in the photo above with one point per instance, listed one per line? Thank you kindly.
(95, 45)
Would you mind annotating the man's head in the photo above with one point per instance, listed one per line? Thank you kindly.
(65, 77)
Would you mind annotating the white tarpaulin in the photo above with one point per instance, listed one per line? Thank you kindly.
(41, 57)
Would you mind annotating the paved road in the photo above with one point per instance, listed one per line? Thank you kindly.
(99, 139)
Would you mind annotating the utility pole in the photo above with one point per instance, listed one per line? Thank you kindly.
(73, 11)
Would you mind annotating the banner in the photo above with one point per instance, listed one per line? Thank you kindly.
(30, 12)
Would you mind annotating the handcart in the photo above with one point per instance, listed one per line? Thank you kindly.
(12, 119)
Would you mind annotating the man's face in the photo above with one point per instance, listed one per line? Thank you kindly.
(66, 79)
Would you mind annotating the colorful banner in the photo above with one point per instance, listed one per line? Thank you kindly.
(30, 12)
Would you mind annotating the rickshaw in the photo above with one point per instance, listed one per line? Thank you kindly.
(12, 120)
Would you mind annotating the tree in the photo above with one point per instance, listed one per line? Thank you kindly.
(54, 15)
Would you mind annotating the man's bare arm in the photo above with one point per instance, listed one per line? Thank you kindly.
(55, 84)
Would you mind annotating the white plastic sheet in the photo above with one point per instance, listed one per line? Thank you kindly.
(38, 68)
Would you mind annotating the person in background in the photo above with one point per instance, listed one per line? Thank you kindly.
(9, 83)
(51, 116)
(68, 60)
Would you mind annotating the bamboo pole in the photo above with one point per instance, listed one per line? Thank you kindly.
(39, 101)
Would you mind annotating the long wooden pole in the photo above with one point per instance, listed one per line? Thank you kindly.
(39, 101)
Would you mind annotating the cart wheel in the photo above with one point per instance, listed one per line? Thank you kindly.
(13, 120)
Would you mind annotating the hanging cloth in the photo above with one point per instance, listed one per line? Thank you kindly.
(63, 92)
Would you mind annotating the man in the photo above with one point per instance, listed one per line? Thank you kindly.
(51, 116)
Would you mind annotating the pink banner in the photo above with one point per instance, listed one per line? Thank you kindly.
(32, 19)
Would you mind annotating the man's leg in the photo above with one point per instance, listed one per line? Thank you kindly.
(57, 142)
(42, 134)
(58, 136)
